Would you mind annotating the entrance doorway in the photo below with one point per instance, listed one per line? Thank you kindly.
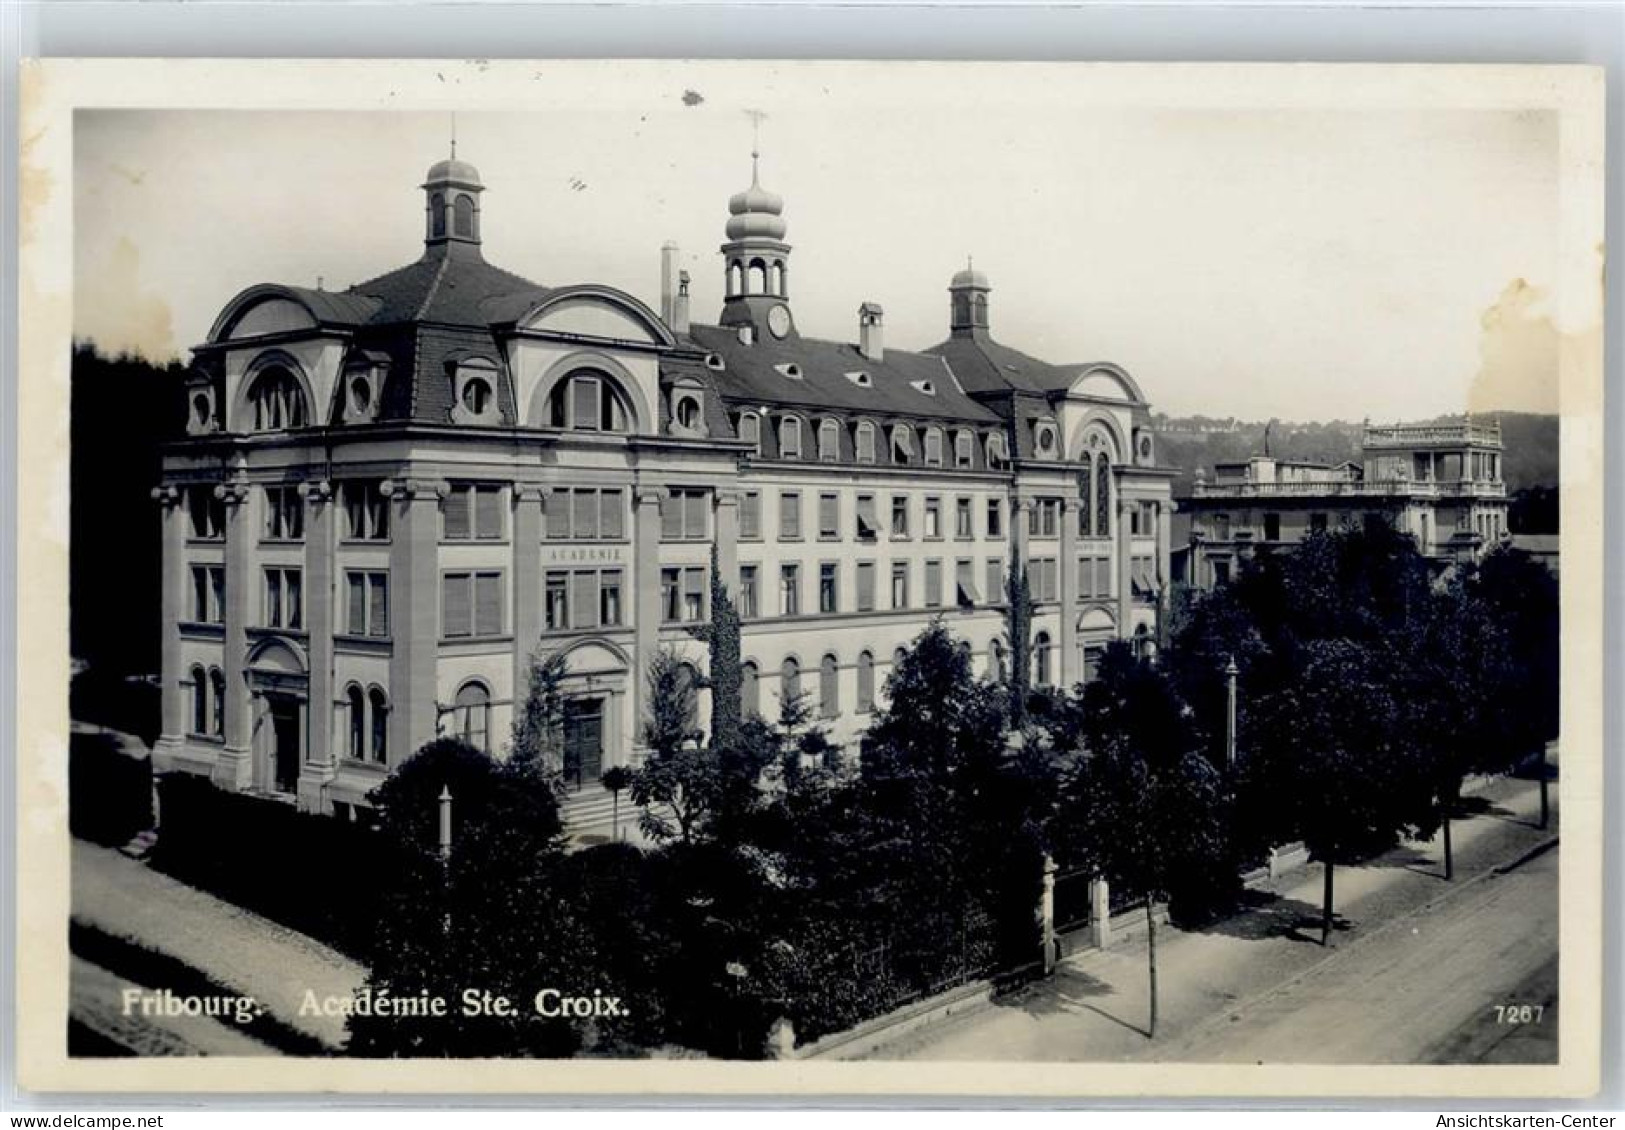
(583, 740)
(284, 712)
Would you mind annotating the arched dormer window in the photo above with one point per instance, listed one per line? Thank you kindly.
(687, 412)
(588, 401)
(902, 444)
(790, 437)
(462, 216)
(964, 445)
(1046, 440)
(829, 441)
(750, 430)
(277, 401)
(437, 215)
(933, 447)
(998, 452)
(864, 442)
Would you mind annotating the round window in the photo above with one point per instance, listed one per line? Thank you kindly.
(360, 394)
(1046, 439)
(476, 395)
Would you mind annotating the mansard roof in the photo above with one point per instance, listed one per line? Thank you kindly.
(985, 366)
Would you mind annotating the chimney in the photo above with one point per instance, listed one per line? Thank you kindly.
(679, 305)
(870, 338)
(668, 281)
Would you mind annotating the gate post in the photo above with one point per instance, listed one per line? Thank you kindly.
(1046, 915)
(1100, 913)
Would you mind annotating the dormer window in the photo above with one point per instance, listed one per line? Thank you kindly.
(829, 442)
(789, 369)
(277, 401)
(861, 379)
(902, 444)
(790, 438)
(587, 401)
(998, 451)
(925, 387)
(933, 447)
(476, 396)
(750, 430)
(864, 442)
(1045, 439)
(715, 362)
(687, 411)
(475, 381)
(963, 455)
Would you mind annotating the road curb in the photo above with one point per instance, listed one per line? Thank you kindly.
(1541, 848)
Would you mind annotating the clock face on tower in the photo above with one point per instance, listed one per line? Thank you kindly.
(778, 320)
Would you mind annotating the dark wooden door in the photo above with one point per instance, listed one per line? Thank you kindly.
(583, 740)
(285, 734)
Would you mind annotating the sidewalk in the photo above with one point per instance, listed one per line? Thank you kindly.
(1095, 1007)
(233, 947)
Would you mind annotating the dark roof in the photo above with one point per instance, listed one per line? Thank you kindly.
(983, 365)
(334, 308)
(448, 284)
(749, 375)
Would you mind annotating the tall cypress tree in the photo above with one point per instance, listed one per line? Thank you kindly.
(722, 638)
(1018, 626)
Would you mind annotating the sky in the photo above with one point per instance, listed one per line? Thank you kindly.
(1293, 263)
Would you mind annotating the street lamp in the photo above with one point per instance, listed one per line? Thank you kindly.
(1230, 673)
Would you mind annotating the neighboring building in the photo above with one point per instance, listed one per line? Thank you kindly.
(390, 497)
(1440, 483)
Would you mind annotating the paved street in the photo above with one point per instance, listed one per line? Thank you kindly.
(1412, 976)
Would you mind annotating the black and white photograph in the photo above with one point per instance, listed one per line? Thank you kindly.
(827, 575)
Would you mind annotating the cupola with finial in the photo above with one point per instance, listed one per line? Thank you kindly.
(756, 258)
(967, 293)
(452, 203)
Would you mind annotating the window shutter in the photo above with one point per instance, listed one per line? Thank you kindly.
(671, 517)
(558, 514)
(866, 586)
(789, 515)
(995, 580)
(584, 513)
(456, 613)
(583, 599)
(829, 516)
(611, 515)
(378, 614)
(356, 624)
(488, 505)
(867, 523)
(585, 392)
(292, 591)
(455, 508)
(695, 504)
(488, 604)
(750, 515)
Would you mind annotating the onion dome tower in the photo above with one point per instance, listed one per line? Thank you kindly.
(967, 293)
(452, 204)
(757, 295)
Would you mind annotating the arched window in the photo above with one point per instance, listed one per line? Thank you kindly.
(587, 401)
(200, 701)
(462, 215)
(471, 714)
(379, 703)
(356, 708)
(1103, 496)
(789, 681)
(217, 699)
(778, 277)
(757, 282)
(688, 412)
(277, 401)
(750, 690)
(864, 442)
(866, 682)
(963, 445)
(790, 437)
(750, 430)
(995, 660)
(1041, 650)
(998, 452)
(437, 215)
(933, 447)
(1086, 497)
(736, 279)
(829, 688)
(829, 441)
(902, 444)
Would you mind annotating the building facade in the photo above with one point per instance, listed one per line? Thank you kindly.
(1440, 483)
(389, 498)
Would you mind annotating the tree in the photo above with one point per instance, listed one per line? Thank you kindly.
(1018, 618)
(1141, 807)
(677, 783)
(538, 728)
(489, 916)
(721, 635)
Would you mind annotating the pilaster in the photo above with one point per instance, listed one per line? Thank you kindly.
(646, 599)
(1125, 568)
(318, 766)
(414, 614)
(1071, 665)
(727, 539)
(529, 502)
(171, 608)
(1163, 516)
(235, 767)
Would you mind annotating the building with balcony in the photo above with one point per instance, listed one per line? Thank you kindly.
(1440, 483)
(389, 498)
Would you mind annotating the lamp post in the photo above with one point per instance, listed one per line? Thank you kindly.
(445, 822)
(1230, 673)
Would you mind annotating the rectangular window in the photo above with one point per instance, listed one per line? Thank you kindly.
(1272, 527)
(828, 587)
(1042, 576)
(866, 586)
(284, 514)
(470, 605)
(282, 599)
(933, 584)
(556, 601)
(750, 516)
(789, 590)
(995, 518)
(366, 510)
(584, 598)
(683, 514)
(867, 526)
(963, 519)
(965, 593)
(866, 443)
(693, 595)
(1044, 519)
(899, 515)
(995, 580)
(933, 448)
(208, 590)
(612, 514)
(1317, 522)
(368, 612)
(473, 511)
(789, 515)
(609, 598)
(584, 514)
(933, 517)
(748, 600)
(207, 512)
(829, 515)
(682, 595)
(558, 515)
(584, 393)
(671, 595)
(962, 450)
(899, 584)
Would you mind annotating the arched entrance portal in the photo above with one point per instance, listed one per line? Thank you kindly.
(279, 689)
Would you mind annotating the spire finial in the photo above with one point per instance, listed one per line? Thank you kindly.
(454, 135)
(756, 117)
(970, 263)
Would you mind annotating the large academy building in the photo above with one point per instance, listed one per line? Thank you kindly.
(390, 497)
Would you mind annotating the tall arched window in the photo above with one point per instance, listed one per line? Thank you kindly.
(1103, 496)
(471, 715)
(778, 277)
(933, 447)
(217, 701)
(789, 680)
(790, 437)
(864, 442)
(1041, 659)
(379, 704)
(829, 688)
(829, 441)
(866, 682)
(356, 708)
(736, 279)
(757, 280)
(200, 701)
(995, 658)
(964, 444)
(750, 690)
(437, 215)
(588, 401)
(277, 401)
(750, 430)
(462, 215)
